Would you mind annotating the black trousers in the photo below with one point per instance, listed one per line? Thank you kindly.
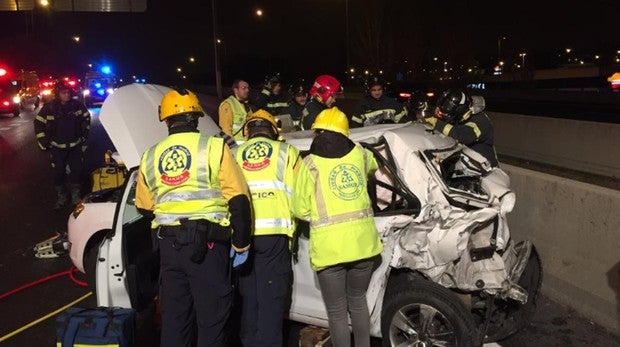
(264, 286)
(195, 298)
(72, 157)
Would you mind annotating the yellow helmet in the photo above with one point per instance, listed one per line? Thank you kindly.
(259, 118)
(332, 119)
(178, 102)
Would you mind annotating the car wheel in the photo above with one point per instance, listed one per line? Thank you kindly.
(510, 316)
(418, 312)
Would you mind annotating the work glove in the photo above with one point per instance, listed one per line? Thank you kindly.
(431, 120)
(238, 258)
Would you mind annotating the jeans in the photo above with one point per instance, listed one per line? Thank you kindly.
(344, 289)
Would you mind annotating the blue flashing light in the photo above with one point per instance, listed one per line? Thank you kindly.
(101, 91)
(106, 69)
(97, 85)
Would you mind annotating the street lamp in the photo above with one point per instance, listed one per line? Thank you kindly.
(522, 55)
(346, 18)
(218, 74)
(499, 47)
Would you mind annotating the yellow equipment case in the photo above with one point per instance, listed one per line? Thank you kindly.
(111, 175)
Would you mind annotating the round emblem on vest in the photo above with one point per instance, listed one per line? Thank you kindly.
(345, 181)
(257, 156)
(174, 164)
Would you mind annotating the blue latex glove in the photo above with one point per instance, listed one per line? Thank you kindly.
(238, 258)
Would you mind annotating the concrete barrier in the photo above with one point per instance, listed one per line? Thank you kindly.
(578, 145)
(576, 229)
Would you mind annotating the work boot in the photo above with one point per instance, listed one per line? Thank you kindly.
(61, 197)
(76, 195)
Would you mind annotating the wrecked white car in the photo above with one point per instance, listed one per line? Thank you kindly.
(451, 275)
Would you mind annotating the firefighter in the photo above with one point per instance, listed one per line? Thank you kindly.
(234, 110)
(299, 98)
(272, 98)
(322, 96)
(419, 108)
(376, 107)
(199, 200)
(458, 117)
(61, 127)
(264, 282)
(331, 194)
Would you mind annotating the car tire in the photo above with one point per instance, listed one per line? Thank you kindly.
(510, 316)
(417, 311)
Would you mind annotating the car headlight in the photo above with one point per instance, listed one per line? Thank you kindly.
(78, 209)
(16, 99)
(507, 203)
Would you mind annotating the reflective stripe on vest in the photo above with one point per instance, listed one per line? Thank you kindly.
(271, 216)
(207, 186)
(324, 218)
(239, 117)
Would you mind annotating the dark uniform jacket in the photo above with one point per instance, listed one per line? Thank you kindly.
(372, 111)
(274, 104)
(311, 110)
(295, 110)
(62, 125)
(476, 132)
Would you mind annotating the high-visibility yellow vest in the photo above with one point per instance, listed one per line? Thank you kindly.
(182, 174)
(342, 227)
(239, 117)
(268, 168)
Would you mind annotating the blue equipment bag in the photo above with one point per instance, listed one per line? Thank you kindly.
(102, 326)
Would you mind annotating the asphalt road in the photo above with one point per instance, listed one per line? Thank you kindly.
(28, 316)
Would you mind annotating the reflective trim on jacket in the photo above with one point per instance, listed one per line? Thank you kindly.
(239, 117)
(182, 174)
(331, 193)
(62, 125)
(268, 167)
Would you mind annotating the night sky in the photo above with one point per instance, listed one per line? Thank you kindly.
(303, 38)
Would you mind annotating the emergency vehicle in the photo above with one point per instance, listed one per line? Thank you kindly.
(98, 84)
(451, 275)
(29, 90)
(9, 93)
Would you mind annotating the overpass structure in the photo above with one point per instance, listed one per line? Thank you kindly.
(574, 225)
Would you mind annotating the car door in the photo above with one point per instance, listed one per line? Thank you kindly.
(129, 275)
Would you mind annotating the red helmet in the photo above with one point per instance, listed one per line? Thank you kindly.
(325, 86)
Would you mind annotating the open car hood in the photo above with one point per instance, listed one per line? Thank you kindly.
(130, 117)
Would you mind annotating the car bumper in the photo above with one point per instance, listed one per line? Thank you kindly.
(93, 218)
